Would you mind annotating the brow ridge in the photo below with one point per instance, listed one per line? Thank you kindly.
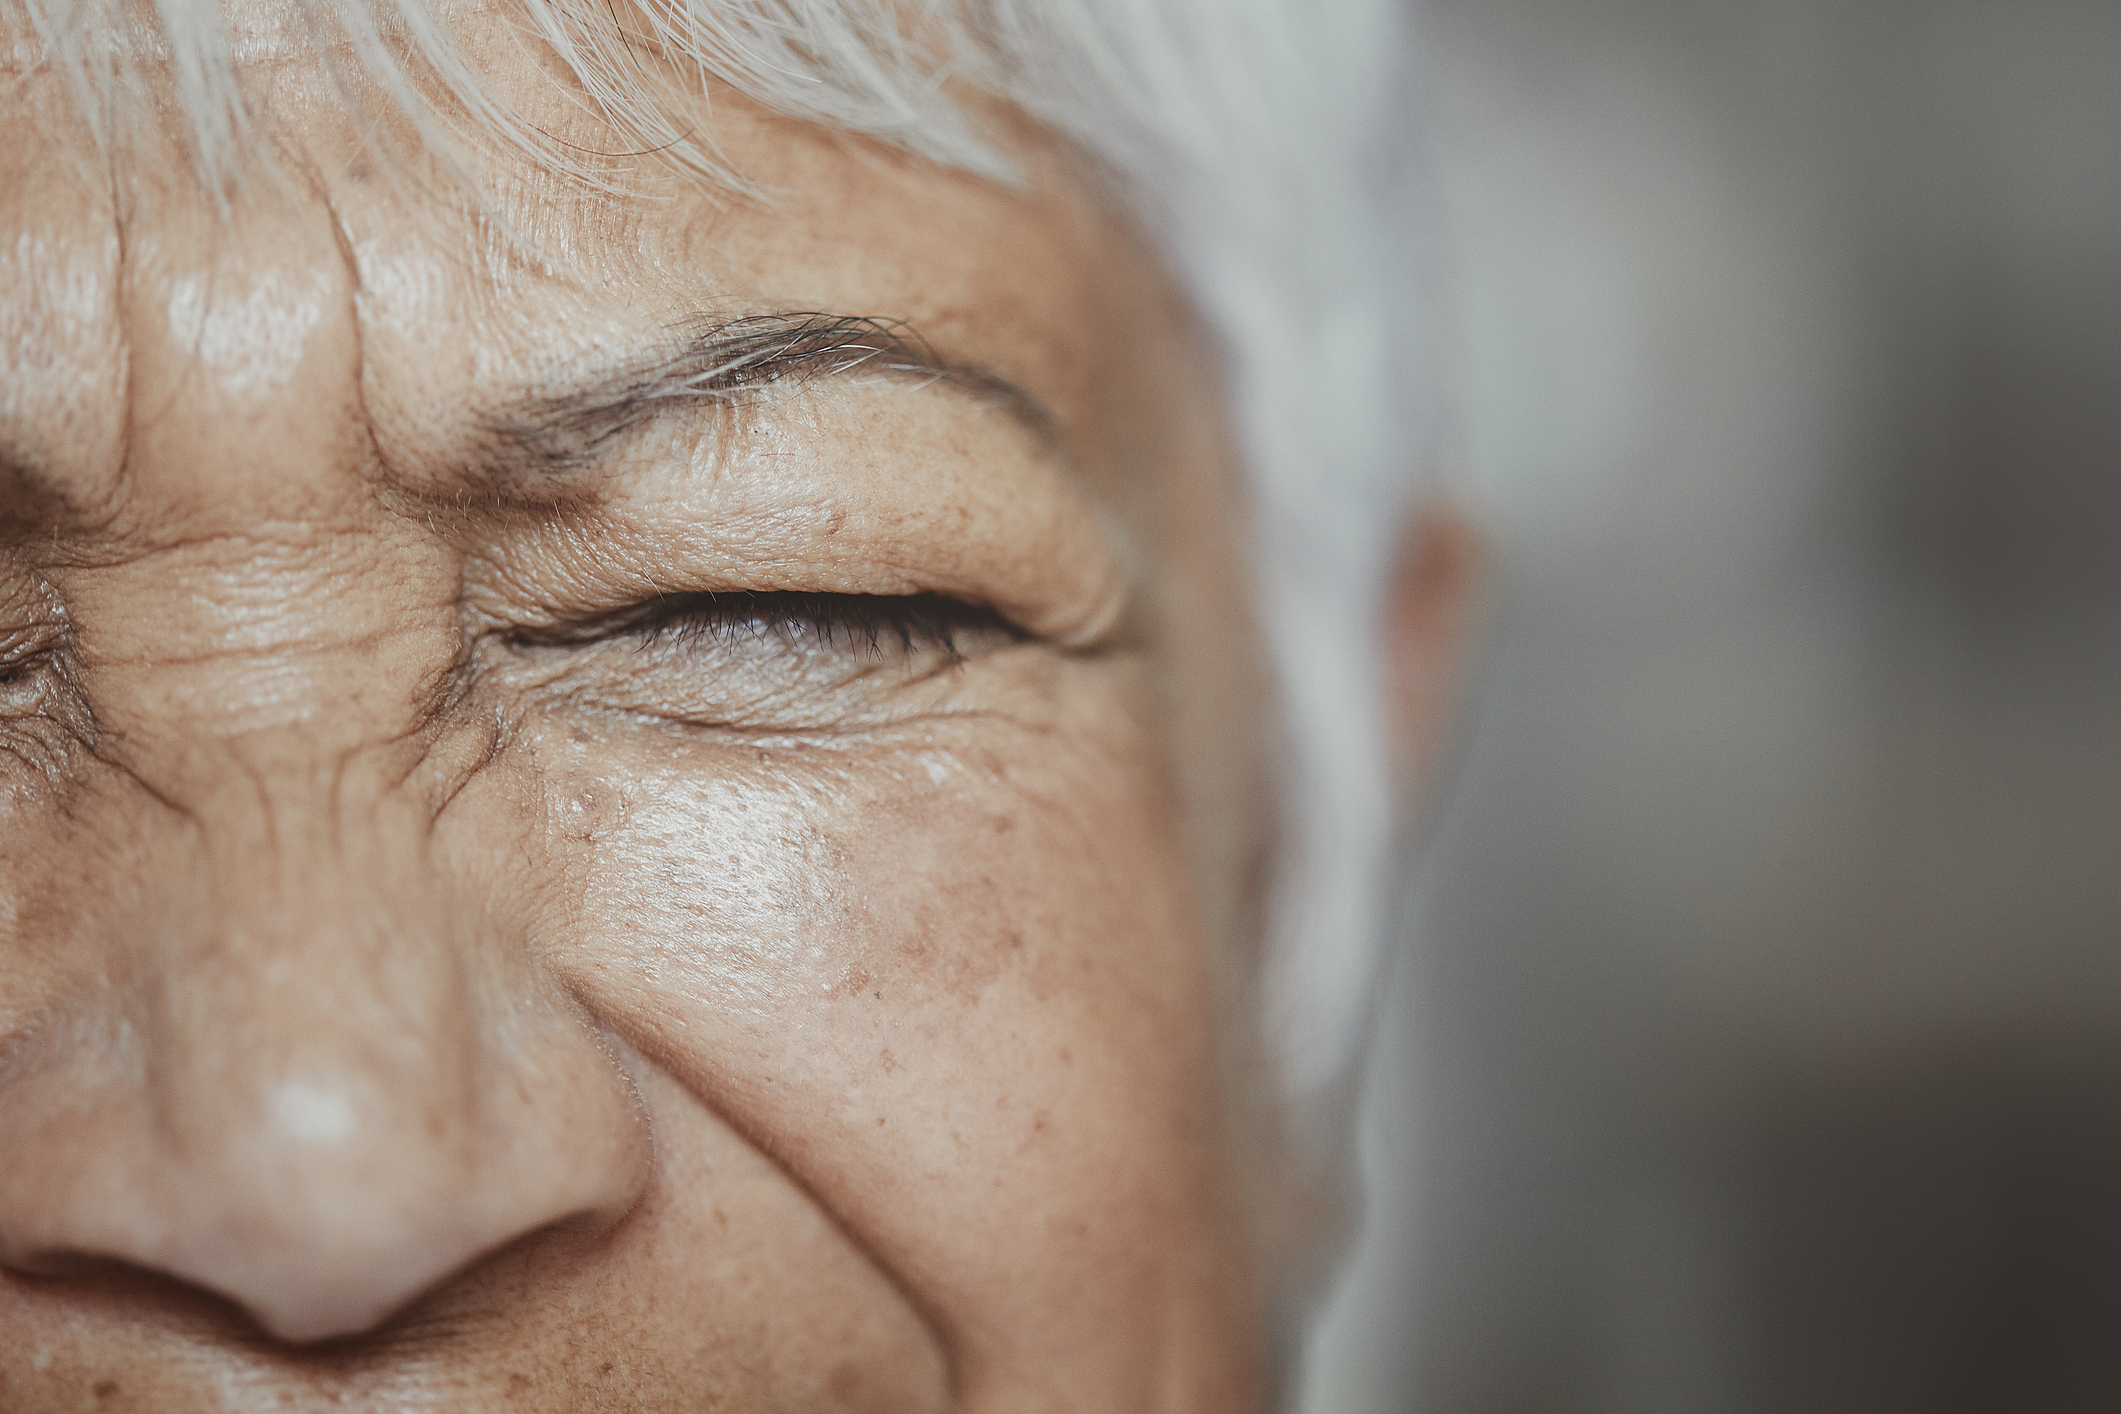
(544, 438)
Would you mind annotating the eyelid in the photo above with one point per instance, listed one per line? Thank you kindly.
(850, 495)
(909, 617)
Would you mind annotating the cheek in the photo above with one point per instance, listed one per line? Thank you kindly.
(861, 907)
(952, 983)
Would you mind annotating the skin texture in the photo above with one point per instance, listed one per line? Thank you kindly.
(422, 986)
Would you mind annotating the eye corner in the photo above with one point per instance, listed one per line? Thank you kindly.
(27, 648)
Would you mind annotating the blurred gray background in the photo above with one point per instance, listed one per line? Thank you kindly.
(1755, 1044)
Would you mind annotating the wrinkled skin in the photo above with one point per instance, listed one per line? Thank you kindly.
(424, 983)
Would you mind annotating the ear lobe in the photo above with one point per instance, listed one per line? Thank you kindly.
(1434, 607)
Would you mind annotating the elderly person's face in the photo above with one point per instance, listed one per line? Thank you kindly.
(583, 828)
(614, 797)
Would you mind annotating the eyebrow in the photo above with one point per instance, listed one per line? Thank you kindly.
(543, 437)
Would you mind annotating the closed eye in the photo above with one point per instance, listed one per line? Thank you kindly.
(871, 626)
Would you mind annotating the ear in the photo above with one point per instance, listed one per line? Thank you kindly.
(1434, 608)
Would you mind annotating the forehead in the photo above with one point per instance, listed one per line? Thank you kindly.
(468, 282)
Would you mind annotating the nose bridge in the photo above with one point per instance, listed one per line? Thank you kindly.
(333, 999)
(323, 955)
(287, 818)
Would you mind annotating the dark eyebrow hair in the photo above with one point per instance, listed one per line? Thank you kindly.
(546, 436)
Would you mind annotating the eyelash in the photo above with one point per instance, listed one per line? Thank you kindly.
(874, 623)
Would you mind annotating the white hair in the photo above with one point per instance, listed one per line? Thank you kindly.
(1264, 142)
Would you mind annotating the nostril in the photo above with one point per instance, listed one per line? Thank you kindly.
(302, 1296)
(474, 1291)
(328, 1203)
(98, 1280)
(58, 1264)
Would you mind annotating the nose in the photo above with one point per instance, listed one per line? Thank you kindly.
(297, 1068)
